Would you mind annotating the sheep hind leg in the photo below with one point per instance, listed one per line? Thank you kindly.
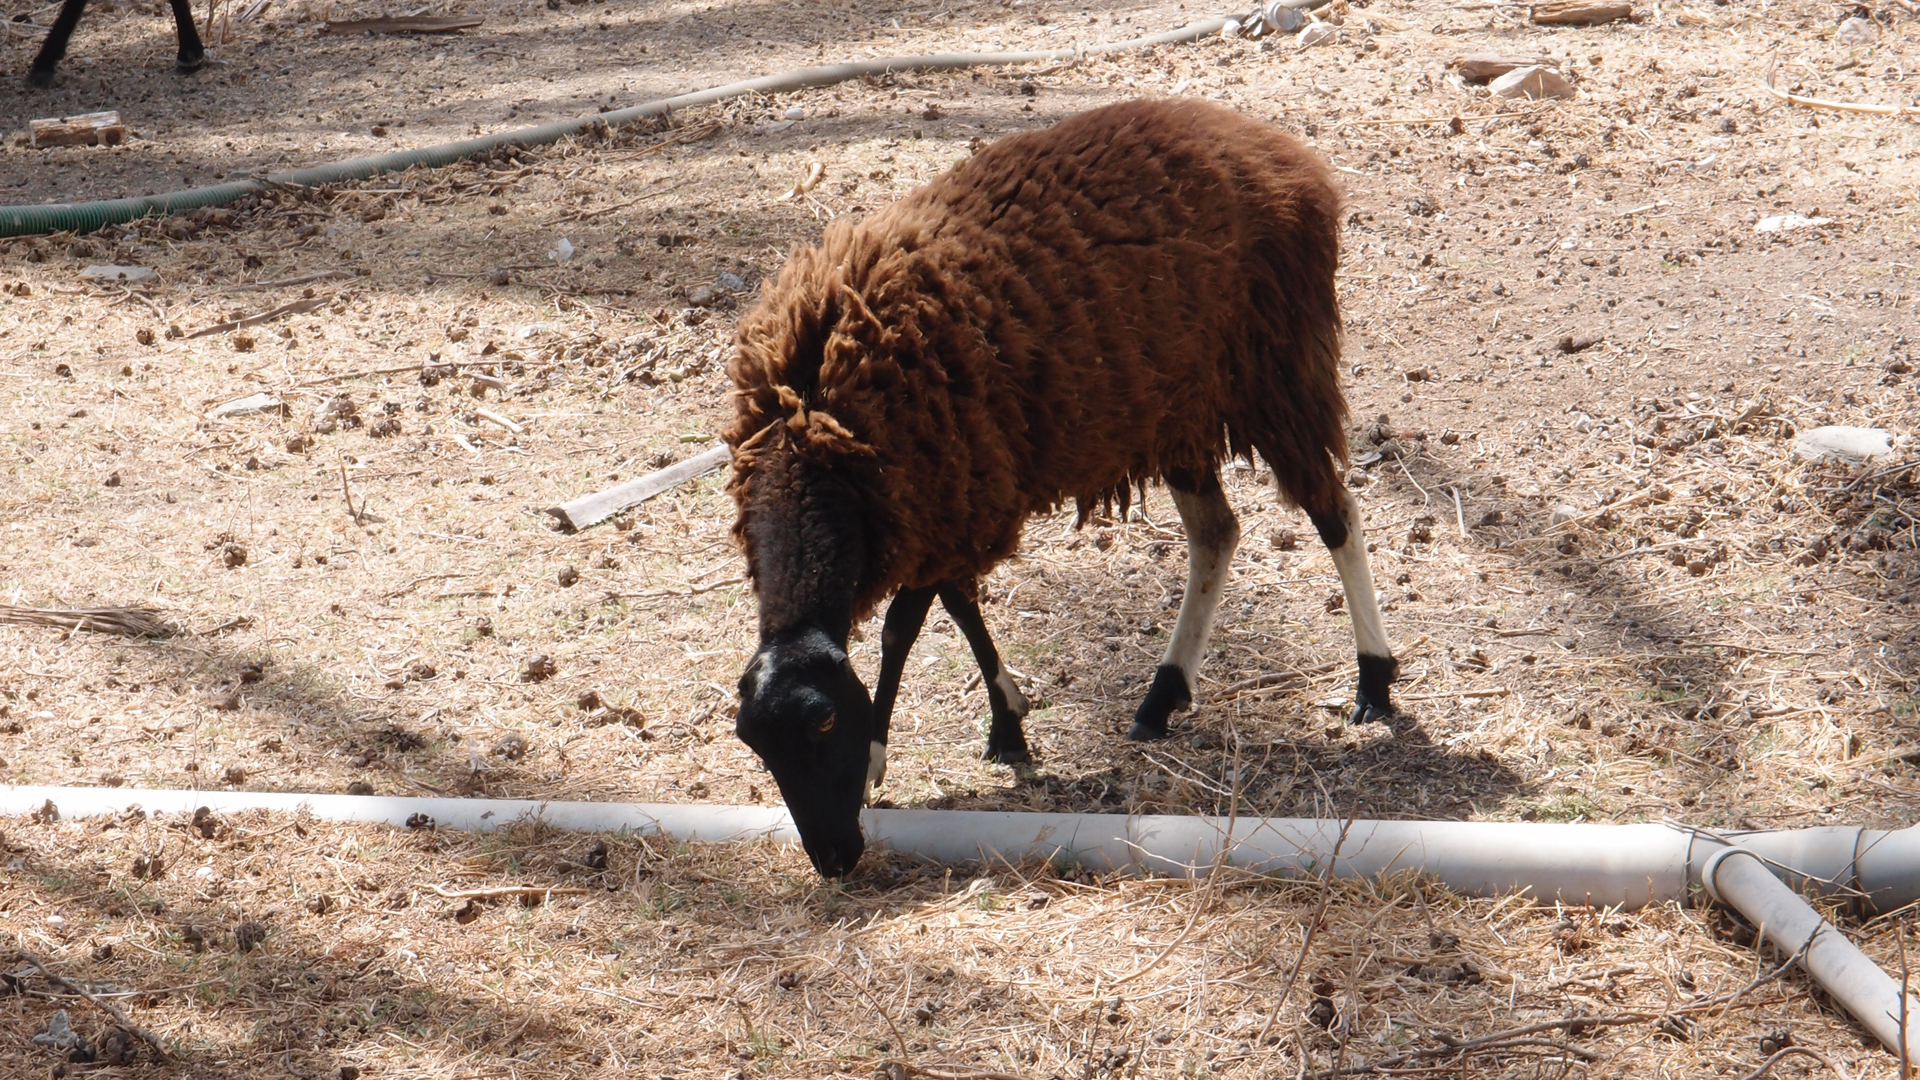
(1007, 735)
(905, 616)
(192, 55)
(1212, 534)
(1339, 527)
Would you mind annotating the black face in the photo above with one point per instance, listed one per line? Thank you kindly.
(804, 711)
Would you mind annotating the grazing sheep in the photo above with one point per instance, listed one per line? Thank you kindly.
(192, 56)
(1133, 294)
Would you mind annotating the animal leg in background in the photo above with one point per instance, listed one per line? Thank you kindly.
(1336, 515)
(1006, 737)
(1212, 534)
(904, 618)
(192, 55)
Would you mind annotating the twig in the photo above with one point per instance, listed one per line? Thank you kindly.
(507, 890)
(133, 622)
(344, 376)
(303, 279)
(1306, 939)
(295, 308)
(1804, 1051)
(1459, 515)
(582, 215)
(661, 594)
(107, 1007)
(347, 490)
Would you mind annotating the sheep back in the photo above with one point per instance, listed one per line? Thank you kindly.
(1141, 289)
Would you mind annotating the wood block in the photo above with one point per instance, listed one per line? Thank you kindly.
(1581, 12)
(1479, 67)
(91, 129)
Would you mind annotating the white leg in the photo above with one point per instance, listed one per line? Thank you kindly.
(1377, 666)
(1212, 534)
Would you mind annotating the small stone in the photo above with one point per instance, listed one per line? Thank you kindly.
(1564, 513)
(733, 282)
(1531, 83)
(703, 296)
(539, 668)
(1314, 33)
(1787, 223)
(795, 112)
(1284, 539)
(510, 747)
(112, 480)
(359, 787)
(232, 555)
(1839, 442)
(1855, 31)
(568, 577)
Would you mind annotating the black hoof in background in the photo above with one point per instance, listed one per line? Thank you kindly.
(1167, 694)
(40, 79)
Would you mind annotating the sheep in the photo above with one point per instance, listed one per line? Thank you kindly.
(1132, 295)
(192, 55)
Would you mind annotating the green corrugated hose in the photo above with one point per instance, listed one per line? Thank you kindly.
(87, 217)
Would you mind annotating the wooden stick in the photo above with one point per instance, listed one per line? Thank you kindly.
(109, 1008)
(303, 279)
(601, 505)
(295, 308)
(508, 890)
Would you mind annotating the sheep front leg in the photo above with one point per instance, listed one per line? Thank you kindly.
(1007, 737)
(1340, 530)
(192, 55)
(1212, 534)
(904, 618)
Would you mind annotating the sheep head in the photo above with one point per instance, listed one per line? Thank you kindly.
(807, 715)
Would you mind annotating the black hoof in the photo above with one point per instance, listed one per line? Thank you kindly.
(187, 65)
(1012, 755)
(1373, 699)
(41, 79)
(1167, 694)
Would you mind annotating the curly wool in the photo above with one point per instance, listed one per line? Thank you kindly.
(1139, 290)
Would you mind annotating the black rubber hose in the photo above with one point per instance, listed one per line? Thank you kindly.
(85, 217)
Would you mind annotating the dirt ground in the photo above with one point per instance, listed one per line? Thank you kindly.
(1554, 309)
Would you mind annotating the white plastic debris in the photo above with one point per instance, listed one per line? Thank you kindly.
(1536, 83)
(107, 272)
(1283, 18)
(1564, 513)
(561, 251)
(1787, 223)
(252, 403)
(1856, 31)
(796, 112)
(1838, 442)
(1315, 33)
(1231, 29)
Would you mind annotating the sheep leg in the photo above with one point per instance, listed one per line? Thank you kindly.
(1007, 737)
(55, 47)
(1339, 528)
(904, 618)
(192, 55)
(1212, 534)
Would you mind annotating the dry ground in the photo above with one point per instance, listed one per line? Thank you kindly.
(1722, 635)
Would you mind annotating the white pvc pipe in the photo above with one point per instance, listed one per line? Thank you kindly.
(1740, 879)
(1608, 865)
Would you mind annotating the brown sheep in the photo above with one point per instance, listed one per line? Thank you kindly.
(1131, 295)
